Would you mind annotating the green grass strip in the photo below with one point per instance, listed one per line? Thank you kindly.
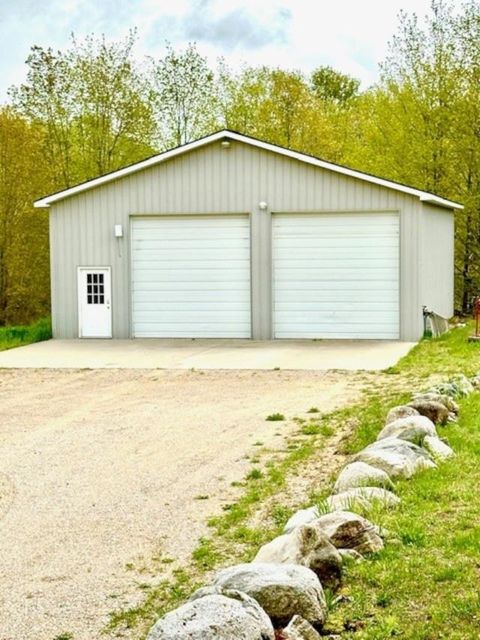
(11, 337)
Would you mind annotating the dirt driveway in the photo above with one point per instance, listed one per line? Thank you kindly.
(101, 468)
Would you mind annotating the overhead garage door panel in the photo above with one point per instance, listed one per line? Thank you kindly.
(336, 275)
(191, 277)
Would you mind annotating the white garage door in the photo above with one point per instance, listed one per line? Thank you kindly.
(336, 275)
(191, 277)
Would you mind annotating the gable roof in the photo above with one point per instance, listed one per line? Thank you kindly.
(424, 196)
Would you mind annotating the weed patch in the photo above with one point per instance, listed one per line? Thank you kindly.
(275, 417)
(11, 337)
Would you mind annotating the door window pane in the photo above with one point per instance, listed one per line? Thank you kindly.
(95, 288)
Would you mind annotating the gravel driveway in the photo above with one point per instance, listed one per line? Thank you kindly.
(99, 469)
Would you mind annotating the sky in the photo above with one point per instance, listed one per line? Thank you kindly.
(349, 35)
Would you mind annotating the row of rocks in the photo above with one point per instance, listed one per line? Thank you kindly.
(281, 590)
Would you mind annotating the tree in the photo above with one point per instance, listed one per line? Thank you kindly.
(184, 96)
(113, 119)
(281, 107)
(267, 103)
(47, 98)
(93, 104)
(467, 151)
(24, 256)
(332, 86)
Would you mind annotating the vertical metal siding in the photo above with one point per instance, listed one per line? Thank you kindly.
(218, 181)
(437, 260)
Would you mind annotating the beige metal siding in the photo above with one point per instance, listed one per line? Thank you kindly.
(215, 180)
(437, 260)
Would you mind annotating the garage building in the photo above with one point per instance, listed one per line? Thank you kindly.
(232, 237)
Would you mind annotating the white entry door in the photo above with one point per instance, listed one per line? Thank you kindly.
(94, 302)
(336, 275)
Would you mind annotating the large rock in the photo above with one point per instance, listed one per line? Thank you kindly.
(348, 530)
(362, 499)
(215, 615)
(402, 411)
(360, 474)
(302, 516)
(462, 384)
(282, 590)
(399, 458)
(435, 411)
(300, 629)
(442, 398)
(475, 381)
(414, 429)
(457, 387)
(445, 388)
(308, 546)
(438, 449)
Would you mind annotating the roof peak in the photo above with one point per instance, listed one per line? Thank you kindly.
(423, 196)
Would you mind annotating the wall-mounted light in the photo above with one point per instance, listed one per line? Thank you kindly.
(118, 231)
(263, 206)
(226, 144)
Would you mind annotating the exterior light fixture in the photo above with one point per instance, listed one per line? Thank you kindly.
(263, 206)
(225, 144)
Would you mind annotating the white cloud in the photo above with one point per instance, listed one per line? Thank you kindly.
(349, 35)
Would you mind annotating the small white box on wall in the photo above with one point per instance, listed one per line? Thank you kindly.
(118, 231)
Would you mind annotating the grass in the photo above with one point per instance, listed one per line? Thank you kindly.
(424, 587)
(449, 354)
(11, 337)
(275, 417)
(254, 474)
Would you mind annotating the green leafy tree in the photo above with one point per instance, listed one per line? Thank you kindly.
(47, 98)
(281, 107)
(24, 256)
(113, 120)
(332, 86)
(94, 106)
(267, 103)
(467, 151)
(184, 96)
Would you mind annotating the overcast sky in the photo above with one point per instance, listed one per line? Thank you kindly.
(350, 35)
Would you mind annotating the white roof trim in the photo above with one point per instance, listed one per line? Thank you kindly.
(424, 196)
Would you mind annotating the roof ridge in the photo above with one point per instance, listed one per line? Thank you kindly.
(424, 196)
